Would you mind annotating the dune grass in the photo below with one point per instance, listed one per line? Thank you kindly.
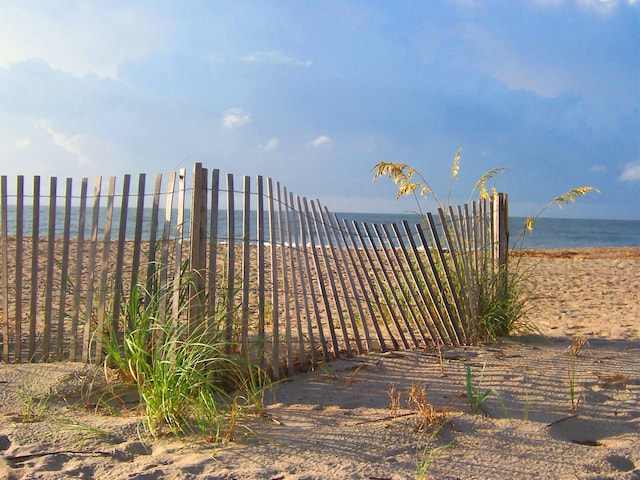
(492, 298)
(186, 380)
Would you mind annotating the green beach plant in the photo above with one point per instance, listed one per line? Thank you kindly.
(577, 344)
(486, 298)
(428, 454)
(187, 382)
(33, 404)
(492, 301)
(476, 394)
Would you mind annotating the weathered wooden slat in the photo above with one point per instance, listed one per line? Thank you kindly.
(48, 298)
(472, 253)
(176, 301)
(352, 270)
(282, 246)
(261, 270)
(153, 260)
(384, 284)
(455, 252)
(338, 259)
(394, 284)
(91, 271)
(117, 309)
(476, 238)
(78, 285)
(137, 235)
(433, 303)
(197, 249)
(4, 266)
(64, 270)
(320, 275)
(412, 304)
(296, 281)
(35, 247)
(326, 247)
(375, 289)
(305, 229)
(246, 264)
(231, 265)
(212, 274)
(275, 306)
(102, 327)
(447, 318)
(164, 283)
(500, 220)
(454, 319)
(484, 235)
(19, 268)
(414, 283)
(362, 271)
(471, 277)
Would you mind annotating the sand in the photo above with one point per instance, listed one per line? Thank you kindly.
(336, 422)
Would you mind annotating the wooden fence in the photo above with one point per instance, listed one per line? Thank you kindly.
(276, 273)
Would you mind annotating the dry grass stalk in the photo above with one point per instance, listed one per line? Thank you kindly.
(578, 342)
(426, 414)
(394, 396)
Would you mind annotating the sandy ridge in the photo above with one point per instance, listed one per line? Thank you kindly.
(332, 423)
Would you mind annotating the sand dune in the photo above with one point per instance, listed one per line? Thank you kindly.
(335, 422)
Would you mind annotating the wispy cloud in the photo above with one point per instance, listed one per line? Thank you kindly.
(603, 5)
(272, 144)
(321, 141)
(631, 172)
(69, 144)
(90, 39)
(235, 117)
(275, 57)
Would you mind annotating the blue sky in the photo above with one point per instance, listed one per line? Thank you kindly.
(313, 94)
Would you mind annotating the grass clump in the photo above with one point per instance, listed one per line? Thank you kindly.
(476, 394)
(186, 381)
(33, 405)
(428, 455)
(489, 297)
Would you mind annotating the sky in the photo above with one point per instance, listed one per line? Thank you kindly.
(314, 93)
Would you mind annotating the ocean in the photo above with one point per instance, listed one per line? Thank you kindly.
(547, 233)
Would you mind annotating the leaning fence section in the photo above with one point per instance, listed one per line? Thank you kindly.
(275, 275)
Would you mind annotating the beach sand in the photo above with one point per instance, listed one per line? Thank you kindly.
(336, 422)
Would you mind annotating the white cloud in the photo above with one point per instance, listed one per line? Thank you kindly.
(275, 57)
(321, 141)
(631, 172)
(235, 117)
(22, 143)
(78, 37)
(272, 144)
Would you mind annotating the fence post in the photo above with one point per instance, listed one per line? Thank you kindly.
(500, 240)
(197, 247)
